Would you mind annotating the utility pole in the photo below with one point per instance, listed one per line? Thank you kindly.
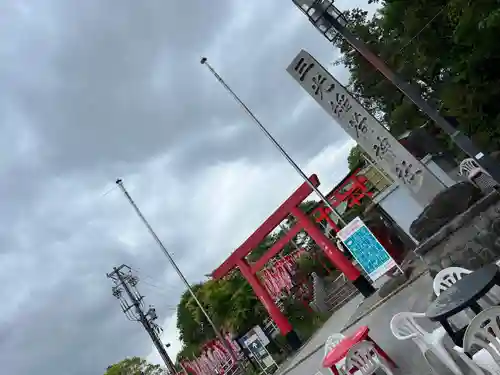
(132, 305)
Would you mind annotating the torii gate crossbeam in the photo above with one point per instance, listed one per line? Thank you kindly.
(290, 207)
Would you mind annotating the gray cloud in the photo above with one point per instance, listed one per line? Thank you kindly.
(96, 90)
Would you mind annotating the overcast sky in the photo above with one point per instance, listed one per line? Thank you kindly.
(94, 90)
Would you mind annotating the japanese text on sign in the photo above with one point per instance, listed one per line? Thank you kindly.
(366, 249)
(374, 138)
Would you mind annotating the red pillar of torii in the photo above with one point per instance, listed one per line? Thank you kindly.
(290, 207)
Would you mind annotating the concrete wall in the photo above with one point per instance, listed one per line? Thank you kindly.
(401, 205)
(471, 240)
(439, 173)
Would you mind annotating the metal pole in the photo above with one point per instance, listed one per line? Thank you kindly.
(460, 139)
(176, 268)
(273, 140)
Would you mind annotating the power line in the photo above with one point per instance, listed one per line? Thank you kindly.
(161, 289)
(109, 191)
(155, 280)
(155, 286)
(422, 29)
(86, 225)
(410, 41)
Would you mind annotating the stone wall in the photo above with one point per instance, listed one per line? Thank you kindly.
(318, 303)
(471, 240)
(329, 296)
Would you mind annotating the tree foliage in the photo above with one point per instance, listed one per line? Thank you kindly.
(316, 262)
(448, 48)
(134, 366)
(355, 158)
(230, 302)
(192, 324)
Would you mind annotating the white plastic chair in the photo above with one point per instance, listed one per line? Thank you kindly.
(404, 327)
(484, 332)
(469, 167)
(330, 343)
(477, 175)
(364, 357)
(449, 276)
(479, 358)
(333, 341)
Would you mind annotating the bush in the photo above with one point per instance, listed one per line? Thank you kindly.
(313, 262)
(305, 321)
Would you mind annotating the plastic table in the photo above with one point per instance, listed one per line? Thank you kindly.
(462, 295)
(340, 350)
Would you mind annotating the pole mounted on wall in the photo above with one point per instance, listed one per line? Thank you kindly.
(332, 23)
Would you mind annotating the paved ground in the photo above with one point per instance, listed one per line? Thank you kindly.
(336, 323)
(415, 297)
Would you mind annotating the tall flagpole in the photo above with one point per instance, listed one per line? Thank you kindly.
(273, 141)
(179, 272)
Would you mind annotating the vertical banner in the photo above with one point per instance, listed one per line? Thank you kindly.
(366, 249)
(372, 136)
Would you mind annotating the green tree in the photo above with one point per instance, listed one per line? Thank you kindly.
(313, 262)
(302, 318)
(355, 158)
(230, 303)
(192, 325)
(134, 366)
(307, 206)
(448, 48)
(188, 351)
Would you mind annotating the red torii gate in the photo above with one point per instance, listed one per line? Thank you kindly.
(352, 189)
(238, 258)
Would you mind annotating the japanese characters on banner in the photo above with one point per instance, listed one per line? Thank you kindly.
(214, 358)
(374, 138)
(278, 279)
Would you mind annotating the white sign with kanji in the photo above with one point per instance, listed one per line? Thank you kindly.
(370, 134)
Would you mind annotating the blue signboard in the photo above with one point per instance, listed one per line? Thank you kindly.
(366, 249)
